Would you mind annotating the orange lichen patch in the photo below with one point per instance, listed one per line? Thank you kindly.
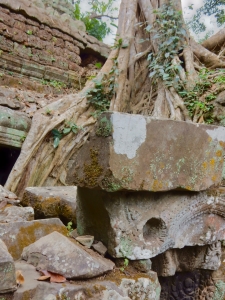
(205, 165)
(161, 165)
(188, 187)
(222, 144)
(219, 153)
(212, 163)
(157, 185)
(214, 178)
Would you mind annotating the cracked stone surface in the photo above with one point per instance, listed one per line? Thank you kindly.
(143, 225)
(134, 152)
(59, 254)
(16, 213)
(7, 270)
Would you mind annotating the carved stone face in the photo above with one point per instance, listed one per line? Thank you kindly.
(143, 225)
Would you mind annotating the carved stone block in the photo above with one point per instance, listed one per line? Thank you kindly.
(142, 225)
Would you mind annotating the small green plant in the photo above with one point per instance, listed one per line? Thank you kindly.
(1, 51)
(23, 137)
(69, 227)
(98, 65)
(29, 32)
(125, 265)
(54, 83)
(68, 127)
(48, 111)
(104, 127)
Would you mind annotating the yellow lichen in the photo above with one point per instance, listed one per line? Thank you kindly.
(93, 170)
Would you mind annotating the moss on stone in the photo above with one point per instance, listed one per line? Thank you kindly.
(93, 170)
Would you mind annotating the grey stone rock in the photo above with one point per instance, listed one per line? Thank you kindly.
(143, 225)
(7, 270)
(143, 288)
(85, 240)
(134, 152)
(16, 214)
(17, 235)
(52, 202)
(100, 248)
(59, 254)
(142, 265)
(187, 259)
(30, 280)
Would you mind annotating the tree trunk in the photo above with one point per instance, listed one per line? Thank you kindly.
(135, 92)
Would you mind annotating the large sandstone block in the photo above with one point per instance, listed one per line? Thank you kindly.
(52, 202)
(18, 235)
(7, 270)
(133, 152)
(142, 225)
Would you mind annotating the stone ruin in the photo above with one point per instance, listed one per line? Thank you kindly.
(149, 205)
(151, 195)
(44, 52)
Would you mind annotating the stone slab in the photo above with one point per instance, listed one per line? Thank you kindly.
(58, 254)
(52, 202)
(144, 224)
(134, 152)
(7, 270)
(18, 235)
(16, 213)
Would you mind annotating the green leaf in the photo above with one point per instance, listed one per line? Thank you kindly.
(98, 65)
(56, 133)
(66, 130)
(56, 142)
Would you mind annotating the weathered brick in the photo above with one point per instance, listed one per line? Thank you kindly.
(11, 63)
(73, 57)
(22, 51)
(58, 51)
(20, 25)
(57, 33)
(6, 19)
(44, 35)
(32, 22)
(48, 29)
(32, 70)
(18, 17)
(61, 63)
(45, 58)
(19, 36)
(75, 67)
(6, 44)
(59, 42)
(52, 73)
(33, 41)
(3, 27)
(5, 10)
(71, 47)
(32, 30)
(68, 38)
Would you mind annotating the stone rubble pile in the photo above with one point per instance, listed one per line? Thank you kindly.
(149, 190)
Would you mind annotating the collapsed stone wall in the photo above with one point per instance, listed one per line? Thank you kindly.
(40, 47)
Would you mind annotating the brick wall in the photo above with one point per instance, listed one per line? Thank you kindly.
(40, 50)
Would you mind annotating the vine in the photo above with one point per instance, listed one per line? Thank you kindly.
(168, 30)
(100, 96)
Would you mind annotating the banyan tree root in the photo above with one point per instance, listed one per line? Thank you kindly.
(134, 92)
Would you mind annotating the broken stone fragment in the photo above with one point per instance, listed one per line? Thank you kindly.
(17, 235)
(7, 270)
(138, 153)
(16, 214)
(142, 225)
(58, 254)
(85, 240)
(100, 248)
(52, 202)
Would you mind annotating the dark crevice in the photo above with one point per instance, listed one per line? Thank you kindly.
(8, 157)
